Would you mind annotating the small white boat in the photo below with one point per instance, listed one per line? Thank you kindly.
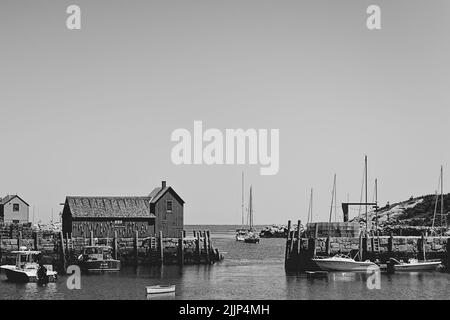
(415, 265)
(158, 289)
(26, 268)
(343, 263)
(241, 234)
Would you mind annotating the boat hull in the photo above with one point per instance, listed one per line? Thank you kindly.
(100, 266)
(20, 276)
(349, 266)
(160, 289)
(421, 266)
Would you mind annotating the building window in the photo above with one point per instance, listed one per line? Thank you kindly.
(169, 206)
(15, 207)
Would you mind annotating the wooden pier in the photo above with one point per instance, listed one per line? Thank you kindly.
(301, 249)
(62, 251)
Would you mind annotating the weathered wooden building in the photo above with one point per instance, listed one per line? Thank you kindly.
(161, 210)
(13, 209)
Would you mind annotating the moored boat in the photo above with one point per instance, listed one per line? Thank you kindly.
(343, 263)
(159, 289)
(414, 265)
(98, 259)
(26, 268)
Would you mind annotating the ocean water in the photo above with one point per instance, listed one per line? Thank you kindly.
(249, 271)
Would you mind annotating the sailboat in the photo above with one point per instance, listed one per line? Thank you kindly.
(242, 232)
(251, 236)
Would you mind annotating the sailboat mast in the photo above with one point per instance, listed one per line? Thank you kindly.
(242, 204)
(365, 178)
(442, 197)
(251, 209)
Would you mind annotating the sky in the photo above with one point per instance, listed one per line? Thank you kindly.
(91, 111)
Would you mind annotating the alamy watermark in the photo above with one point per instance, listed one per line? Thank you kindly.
(234, 146)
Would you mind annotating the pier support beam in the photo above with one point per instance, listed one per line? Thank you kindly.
(136, 248)
(205, 245)
(197, 248)
(115, 245)
(298, 237)
(287, 253)
(161, 248)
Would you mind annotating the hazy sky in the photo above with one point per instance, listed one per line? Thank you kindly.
(91, 112)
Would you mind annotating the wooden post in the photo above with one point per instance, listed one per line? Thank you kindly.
(181, 248)
(217, 254)
(36, 240)
(328, 245)
(1, 243)
(67, 243)
(184, 234)
(209, 243)
(115, 245)
(19, 240)
(197, 248)
(161, 247)
(136, 249)
(286, 256)
(360, 246)
(366, 246)
(63, 253)
(92, 238)
(195, 235)
(448, 254)
(298, 237)
(391, 245)
(291, 246)
(423, 247)
(205, 246)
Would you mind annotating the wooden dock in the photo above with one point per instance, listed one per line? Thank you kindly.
(64, 250)
(301, 250)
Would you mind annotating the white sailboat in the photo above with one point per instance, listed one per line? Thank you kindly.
(251, 236)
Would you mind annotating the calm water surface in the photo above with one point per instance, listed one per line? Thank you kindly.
(249, 271)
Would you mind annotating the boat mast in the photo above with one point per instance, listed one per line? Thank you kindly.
(365, 178)
(242, 204)
(442, 198)
(310, 207)
(331, 206)
(251, 209)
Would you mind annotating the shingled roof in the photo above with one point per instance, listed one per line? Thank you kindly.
(109, 207)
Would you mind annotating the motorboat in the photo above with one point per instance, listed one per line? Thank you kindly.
(160, 289)
(251, 237)
(415, 265)
(343, 263)
(240, 234)
(98, 259)
(26, 268)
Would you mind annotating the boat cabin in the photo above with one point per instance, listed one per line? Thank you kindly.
(98, 253)
(26, 258)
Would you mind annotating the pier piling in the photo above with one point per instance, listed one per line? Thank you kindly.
(197, 248)
(115, 245)
(299, 235)
(287, 253)
(161, 248)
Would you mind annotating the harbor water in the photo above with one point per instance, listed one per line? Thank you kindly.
(249, 271)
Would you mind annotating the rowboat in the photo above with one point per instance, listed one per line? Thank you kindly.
(158, 289)
(343, 263)
(415, 265)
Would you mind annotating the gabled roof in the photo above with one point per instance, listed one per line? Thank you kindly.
(158, 192)
(109, 207)
(8, 198)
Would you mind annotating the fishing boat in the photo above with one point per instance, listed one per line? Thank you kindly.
(414, 265)
(343, 263)
(98, 259)
(26, 267)
(241, 234)
(160, 289)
